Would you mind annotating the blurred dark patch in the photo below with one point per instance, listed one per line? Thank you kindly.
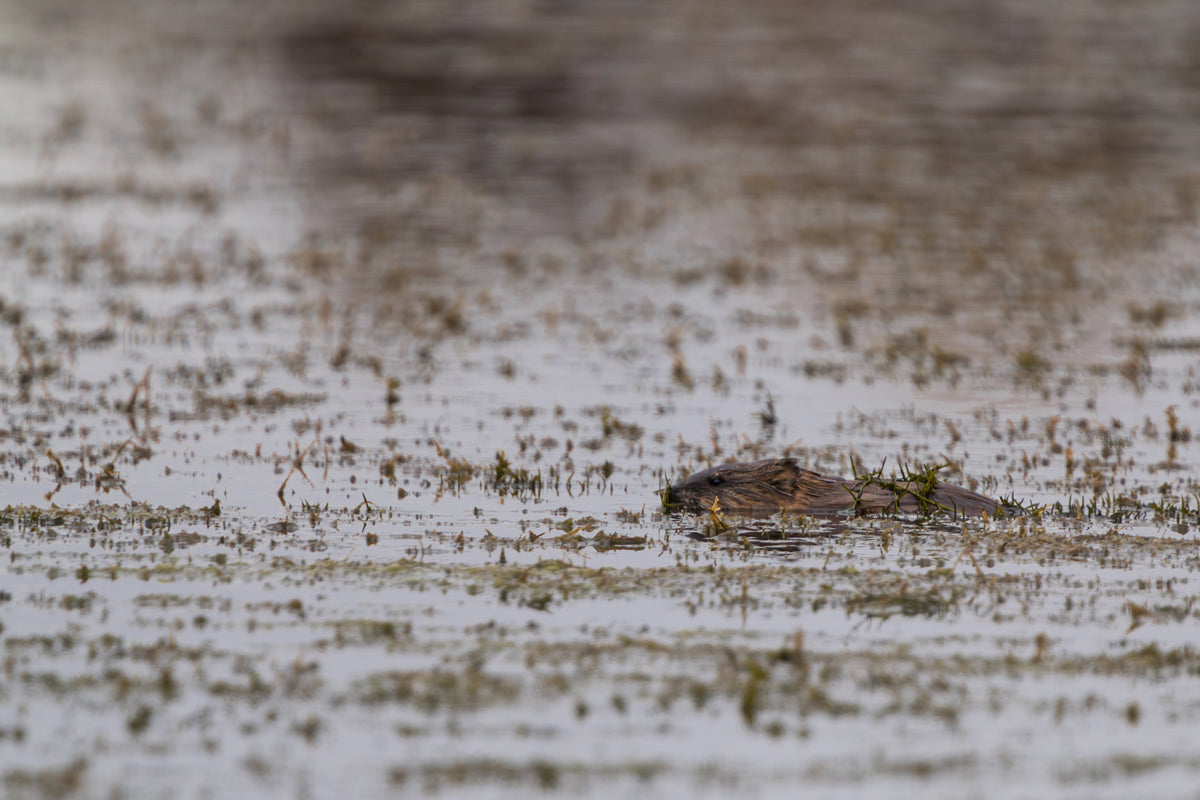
(1002, 139)
(506, 108)
(518, 75)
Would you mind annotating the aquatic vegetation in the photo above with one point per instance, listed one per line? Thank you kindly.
(331, 425)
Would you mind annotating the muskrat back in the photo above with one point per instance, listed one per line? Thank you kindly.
(780, 484)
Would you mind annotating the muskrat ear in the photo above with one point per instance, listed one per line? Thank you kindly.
(783, 473)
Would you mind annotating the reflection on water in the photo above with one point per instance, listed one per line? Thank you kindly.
(942, 187)
(1020, 147)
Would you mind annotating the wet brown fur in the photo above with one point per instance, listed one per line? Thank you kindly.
(780, 484)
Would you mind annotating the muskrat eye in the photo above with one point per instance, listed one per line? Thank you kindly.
(715, 480)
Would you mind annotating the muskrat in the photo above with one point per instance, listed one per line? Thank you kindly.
(779, 484)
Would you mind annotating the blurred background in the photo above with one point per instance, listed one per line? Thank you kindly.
(1015, 145)
(1021, 148)
(1006, 191)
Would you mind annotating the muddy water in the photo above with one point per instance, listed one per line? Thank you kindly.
(344, 353)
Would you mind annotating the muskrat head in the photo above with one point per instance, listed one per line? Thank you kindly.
(757, 486)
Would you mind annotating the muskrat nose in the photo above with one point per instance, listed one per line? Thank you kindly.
(665, 494)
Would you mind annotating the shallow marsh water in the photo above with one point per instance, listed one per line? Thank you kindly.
(281, 287)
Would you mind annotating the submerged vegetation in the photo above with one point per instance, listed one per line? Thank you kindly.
(918, 484)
